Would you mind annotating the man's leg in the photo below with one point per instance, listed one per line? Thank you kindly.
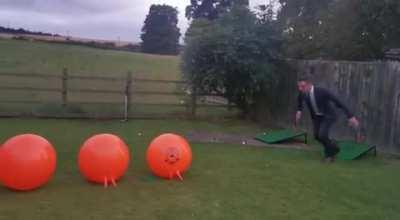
(317, 130)
(330, 146)
(316, 127)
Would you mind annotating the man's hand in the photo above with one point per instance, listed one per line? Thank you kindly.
(298, 117)
(353, 122)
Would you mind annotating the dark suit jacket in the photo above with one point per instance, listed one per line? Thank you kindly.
(324, 99)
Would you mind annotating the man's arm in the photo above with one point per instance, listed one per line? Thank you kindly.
(299, 108)
(339, 104)
(353, 122)
(300, 102)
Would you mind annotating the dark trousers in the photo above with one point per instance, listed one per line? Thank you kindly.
(322, 126)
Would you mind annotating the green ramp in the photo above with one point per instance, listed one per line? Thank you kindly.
(350, 150)
(274, 137)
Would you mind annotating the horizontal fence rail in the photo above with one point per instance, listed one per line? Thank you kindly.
(70, 90)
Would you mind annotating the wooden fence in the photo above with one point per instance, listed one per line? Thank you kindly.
(370, 89)
(65, 95)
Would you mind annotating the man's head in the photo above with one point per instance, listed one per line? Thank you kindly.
(304, 84)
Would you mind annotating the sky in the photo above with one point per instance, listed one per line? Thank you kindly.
(98, 19)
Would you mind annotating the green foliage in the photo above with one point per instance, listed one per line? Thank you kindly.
(160, 34)
(235, 56)
(302, 23)
(211, 9)
(339, 29)
(363, 29)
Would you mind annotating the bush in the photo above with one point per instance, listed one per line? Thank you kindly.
(236, 56)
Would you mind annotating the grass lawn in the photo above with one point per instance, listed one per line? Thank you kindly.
(18, 56)
(224, 182)
(38, 57)
(47, 58)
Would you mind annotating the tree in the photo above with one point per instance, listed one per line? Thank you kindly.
(160, 33)
(339, 29)
(303, 26)
(236, 56)
(265, 12)
(211, 9)
(363, 29)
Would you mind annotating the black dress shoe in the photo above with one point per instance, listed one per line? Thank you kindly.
(337, 151)
(328, 160)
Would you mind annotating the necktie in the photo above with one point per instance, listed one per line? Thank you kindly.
(314, 102)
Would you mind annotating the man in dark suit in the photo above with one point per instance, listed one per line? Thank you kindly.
(323, 115)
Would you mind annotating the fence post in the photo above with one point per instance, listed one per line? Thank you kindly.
(127, 95)
(194, 103)
(64, 87)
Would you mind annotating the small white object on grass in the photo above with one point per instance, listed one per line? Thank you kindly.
(139, 134)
